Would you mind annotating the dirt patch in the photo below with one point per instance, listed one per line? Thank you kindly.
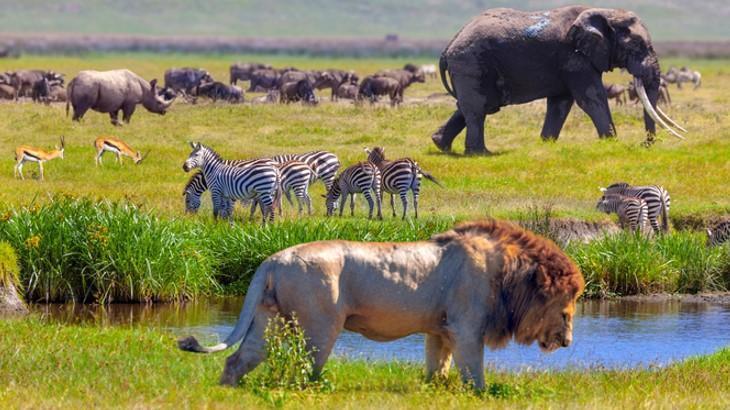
(10, 301)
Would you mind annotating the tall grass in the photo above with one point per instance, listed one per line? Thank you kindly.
(9, 270)
(629, 263)
(77, 249)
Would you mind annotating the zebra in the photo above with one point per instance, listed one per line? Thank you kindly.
(197, 185)
(718, 234)
(258, 180)
(656, 197)
(362, 178)
(399, 177)
(297, 176)
(324, 163)
(632, 211)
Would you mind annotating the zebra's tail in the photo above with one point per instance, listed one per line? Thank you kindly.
(665, 216)
(427, 175)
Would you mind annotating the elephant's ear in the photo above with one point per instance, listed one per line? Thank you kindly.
(592, 36)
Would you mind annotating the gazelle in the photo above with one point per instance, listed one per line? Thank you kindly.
(118, 147)
(25, 153)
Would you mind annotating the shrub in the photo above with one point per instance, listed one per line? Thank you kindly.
(9, 271)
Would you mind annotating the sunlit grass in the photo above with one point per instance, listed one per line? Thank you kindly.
(524, 172)
(57, 366)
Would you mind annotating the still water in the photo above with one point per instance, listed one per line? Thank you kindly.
(608, 334)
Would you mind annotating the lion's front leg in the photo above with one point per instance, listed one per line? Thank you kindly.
(438, 357)
(469, 357)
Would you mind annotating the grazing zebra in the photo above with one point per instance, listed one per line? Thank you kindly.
(259, 180)
(297, 176)
(632, 211)
(657, 200)
(197, 185)
(399, 177)
(362, 178)
(324, 163)
(718, 234)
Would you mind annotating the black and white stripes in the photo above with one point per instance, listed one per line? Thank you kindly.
(297, 176)
(258, 180)
(364, 178)
(718, 234)
(631, 211)
(398, 177)
(657, 200)
(324, 163)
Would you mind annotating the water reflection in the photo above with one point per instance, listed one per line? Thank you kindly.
(611, 334)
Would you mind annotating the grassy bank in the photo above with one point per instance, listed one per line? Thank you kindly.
(524, 171)
(55, 366)
(78, 249)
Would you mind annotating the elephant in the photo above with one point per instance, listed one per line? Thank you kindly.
(112, 91)
(505, 56)
(243, 71)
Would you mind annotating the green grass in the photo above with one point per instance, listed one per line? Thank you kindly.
(9, 270)
(525, 172)
(325, 18)
(57, 366)
(78, 249)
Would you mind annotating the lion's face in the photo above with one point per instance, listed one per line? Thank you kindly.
(550, 324)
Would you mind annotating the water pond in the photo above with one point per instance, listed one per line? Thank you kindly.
(608, 334)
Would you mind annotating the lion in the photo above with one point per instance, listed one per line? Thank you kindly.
(481, 283)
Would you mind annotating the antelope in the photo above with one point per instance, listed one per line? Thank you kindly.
(25, 153)
(119, 148)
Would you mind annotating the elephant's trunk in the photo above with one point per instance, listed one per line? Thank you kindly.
(647, 80)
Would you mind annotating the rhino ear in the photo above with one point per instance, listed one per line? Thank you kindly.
(153, 84)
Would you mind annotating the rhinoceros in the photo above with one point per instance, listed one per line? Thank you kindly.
(112, 91)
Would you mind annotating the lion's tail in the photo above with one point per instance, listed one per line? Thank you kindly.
(254, 296)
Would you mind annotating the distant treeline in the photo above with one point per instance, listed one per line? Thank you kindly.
(350, 47)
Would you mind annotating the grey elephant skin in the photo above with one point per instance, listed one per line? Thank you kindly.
(505, 57)
(114, 91)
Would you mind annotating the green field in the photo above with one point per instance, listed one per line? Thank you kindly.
(524, 172)
(700, 20)
(55, 366)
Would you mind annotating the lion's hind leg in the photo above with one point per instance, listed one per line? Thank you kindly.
(438, 357)
(251, 352)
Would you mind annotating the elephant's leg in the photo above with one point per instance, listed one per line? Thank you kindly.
(251, 352)
(590, 95)
(469, 357)
(558, 109)
(444, 136)
(438, 357)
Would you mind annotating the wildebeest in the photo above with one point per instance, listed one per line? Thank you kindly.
(186, 79)
(243, 71)
(347, 91)
(683, 75)
(664, 97)
(404, 77)
(112, 91)
(616, 92)
(6, 92)
(264, 80)
(296, 75)
(23, 80)
(332, 79)
(298, 91)
(219, 91)
(371, 87)
(271, 97)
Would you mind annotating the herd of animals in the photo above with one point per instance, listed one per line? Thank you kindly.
(121, 90)
(674, 75)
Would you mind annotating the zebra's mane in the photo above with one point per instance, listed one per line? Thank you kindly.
(619, 185)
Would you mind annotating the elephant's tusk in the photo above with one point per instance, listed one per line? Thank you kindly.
(669, 120)
(650, 109)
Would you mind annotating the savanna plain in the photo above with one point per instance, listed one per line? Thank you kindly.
(118, 233)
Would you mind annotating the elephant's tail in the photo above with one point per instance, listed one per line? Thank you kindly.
(443, 66)
(254, 297)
